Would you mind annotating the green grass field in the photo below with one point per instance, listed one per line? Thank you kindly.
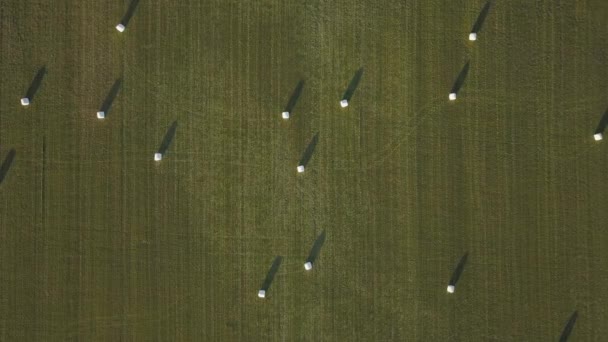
(100, 243)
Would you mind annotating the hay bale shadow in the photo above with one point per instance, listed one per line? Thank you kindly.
(352, 86)
(294, 97)
(36, 83)
(168, 138)
(462, 76)
(569, 327)
(274, 268)
(316, 248)
(107, 103)
(130, 12)
(6, 164)
(601, 126)
(459, 269)
(310, 149)
(481, 17)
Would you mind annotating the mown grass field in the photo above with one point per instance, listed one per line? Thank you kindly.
(100, 243)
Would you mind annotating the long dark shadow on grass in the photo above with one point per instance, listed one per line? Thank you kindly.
(274, 268)
(309, 150)
(352, 86)
(130, 11)
(569, 327)
(164, 146)
(36, 83)
(107, 103)
(459, 268)
(294, 97)
(316, 248)
(481, 17)
(601, 126)
(462, 76)
(6, 164)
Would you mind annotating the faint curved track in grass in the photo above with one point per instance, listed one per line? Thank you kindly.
(435, 107)
(411, 125)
